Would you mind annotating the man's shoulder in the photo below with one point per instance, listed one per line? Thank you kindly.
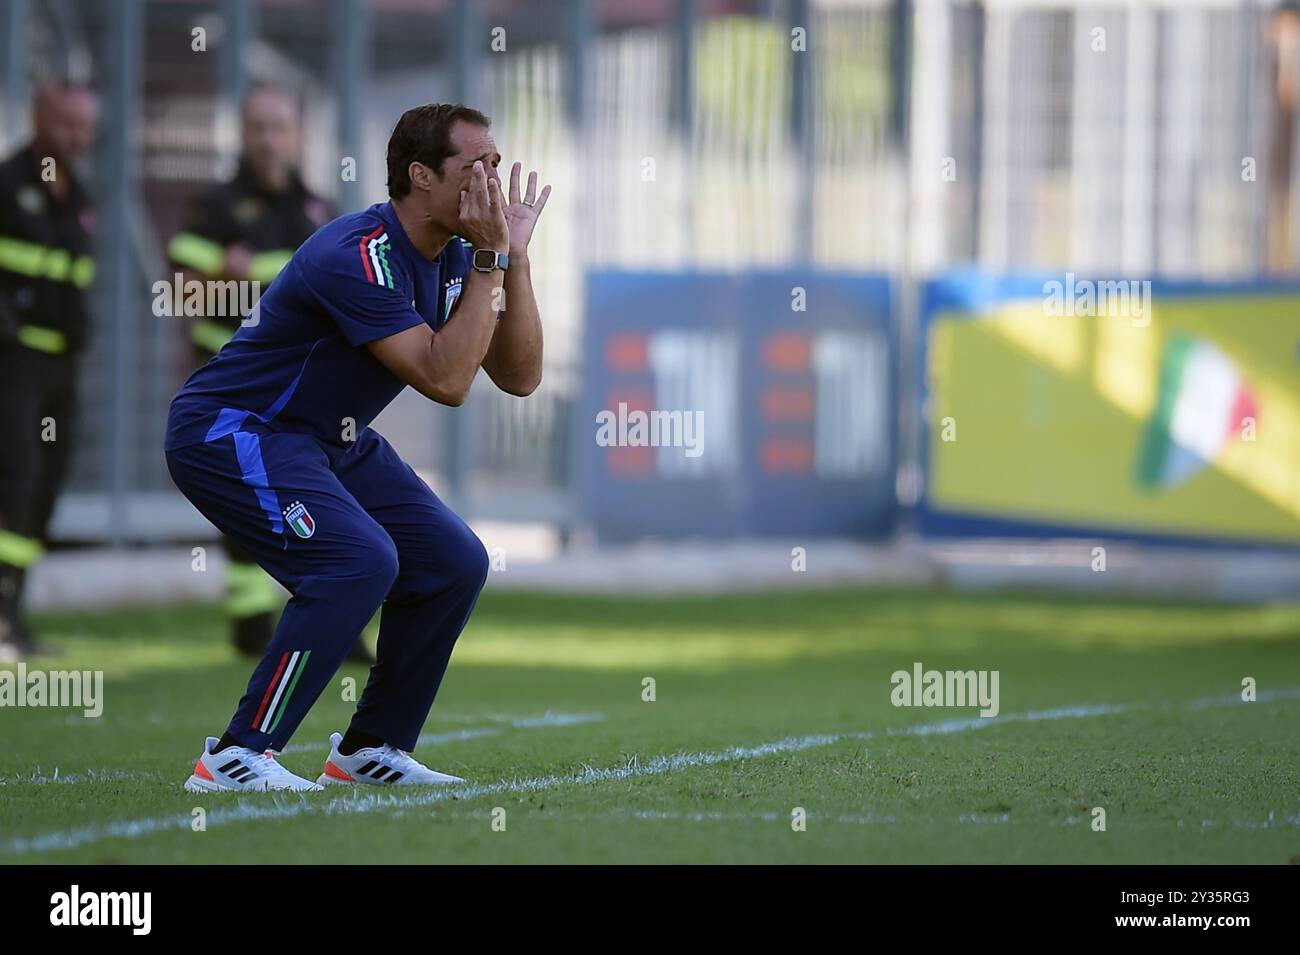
(356, 244)
(16, 171)
(347, 231)
(9, 171)
(218, 195)
(17, 164)
(209, 211)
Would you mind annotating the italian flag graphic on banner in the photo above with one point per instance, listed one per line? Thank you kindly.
(1202, 401)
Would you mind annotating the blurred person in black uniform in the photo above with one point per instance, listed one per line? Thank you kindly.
(46, 265)
(247, 229)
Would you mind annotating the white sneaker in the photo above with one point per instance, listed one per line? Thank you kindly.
(241, 768)
(380, 766)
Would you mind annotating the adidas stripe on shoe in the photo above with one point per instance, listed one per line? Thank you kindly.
(378, 766)
(242, 769)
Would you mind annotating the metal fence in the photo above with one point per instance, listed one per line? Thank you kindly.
(850, 134)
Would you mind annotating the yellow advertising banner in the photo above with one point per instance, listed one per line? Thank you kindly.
(1178, 418)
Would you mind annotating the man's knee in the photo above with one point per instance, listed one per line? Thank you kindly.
(457, 562)
(366, 572)
(475, 562)
(466, 560)
(377, 559)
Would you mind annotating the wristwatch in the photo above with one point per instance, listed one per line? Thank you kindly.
(489, 260)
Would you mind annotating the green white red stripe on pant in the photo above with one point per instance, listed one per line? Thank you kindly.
(276, 698)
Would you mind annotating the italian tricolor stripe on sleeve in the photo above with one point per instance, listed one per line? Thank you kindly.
(374, 257)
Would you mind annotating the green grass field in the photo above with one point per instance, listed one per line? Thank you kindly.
(763, 704)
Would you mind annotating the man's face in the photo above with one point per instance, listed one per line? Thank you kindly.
(64, 122)
(472, 143)
(271, 136)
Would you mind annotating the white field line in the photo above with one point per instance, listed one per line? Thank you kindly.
(544, 721)
(37, 778)
(1272, 821)
(356, 802)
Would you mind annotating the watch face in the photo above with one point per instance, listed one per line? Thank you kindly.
(485, 260)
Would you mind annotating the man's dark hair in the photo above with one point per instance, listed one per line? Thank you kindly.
(423, 135)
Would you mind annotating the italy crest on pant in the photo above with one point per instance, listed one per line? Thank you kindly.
(300, 519)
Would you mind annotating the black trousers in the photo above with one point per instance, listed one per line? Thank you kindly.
(38, 402)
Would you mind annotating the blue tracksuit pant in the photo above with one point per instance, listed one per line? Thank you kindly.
(346, 531)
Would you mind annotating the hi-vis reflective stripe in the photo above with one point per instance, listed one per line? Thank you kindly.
(265, 266)
(45, 262)
(48, 340)
(251, 591)
(19, 551)
(202, 255)
(211, 335)
(209, 258)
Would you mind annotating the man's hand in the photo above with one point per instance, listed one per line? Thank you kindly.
(482, 219)
(522, 213)
(514, 360)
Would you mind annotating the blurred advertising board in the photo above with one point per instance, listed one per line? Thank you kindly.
(1060, 404)
(737, 404)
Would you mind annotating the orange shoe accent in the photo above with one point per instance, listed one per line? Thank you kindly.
(201, 770)
(334, 772)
